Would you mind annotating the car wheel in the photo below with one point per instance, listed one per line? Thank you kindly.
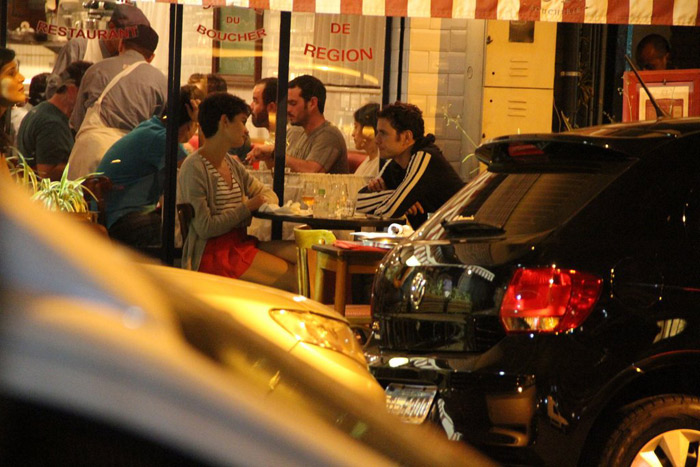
(657, 431)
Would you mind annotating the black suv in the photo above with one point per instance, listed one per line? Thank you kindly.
(550, 311)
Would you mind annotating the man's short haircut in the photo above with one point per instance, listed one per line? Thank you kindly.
(214, 106)
(403, 116)
(367, 115)
(188, 92)
(657, 41)
(310, 87)
(76, 70)
(58, 84)
(37, 88)
(269, 93)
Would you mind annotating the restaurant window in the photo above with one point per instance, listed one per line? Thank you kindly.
(237, 45)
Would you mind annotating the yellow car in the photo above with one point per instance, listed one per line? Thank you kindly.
(105, 361)
(307, 329)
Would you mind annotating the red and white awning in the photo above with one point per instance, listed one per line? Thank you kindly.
(668, 12)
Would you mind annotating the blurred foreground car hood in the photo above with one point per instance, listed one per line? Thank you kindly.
(85, 330)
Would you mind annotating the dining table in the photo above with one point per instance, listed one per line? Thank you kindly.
(355, 223)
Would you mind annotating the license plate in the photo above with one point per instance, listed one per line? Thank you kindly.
(409, 402)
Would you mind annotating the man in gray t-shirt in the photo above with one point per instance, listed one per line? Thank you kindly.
(313, 143)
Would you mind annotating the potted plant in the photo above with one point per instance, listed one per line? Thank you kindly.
(62, 195)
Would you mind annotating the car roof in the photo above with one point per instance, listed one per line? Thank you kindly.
(631, 138)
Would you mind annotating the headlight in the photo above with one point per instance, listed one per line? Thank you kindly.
(321, 331)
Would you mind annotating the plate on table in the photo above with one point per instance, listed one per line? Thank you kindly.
(378, 239)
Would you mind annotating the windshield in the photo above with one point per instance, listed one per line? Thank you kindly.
(518, 203)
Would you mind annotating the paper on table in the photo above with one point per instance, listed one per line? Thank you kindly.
(291, 207)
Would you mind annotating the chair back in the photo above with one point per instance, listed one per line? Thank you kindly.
(99, 186)
(305, 237)
(185, 213)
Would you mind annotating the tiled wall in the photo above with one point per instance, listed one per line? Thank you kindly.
(33, 59)
(444, 79)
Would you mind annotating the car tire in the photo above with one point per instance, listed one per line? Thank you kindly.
(665, 428)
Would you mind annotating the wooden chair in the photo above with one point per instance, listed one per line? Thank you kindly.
(99, 185)
(306, 237)
(185, 213)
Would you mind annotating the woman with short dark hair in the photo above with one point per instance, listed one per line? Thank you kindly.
(223, 195)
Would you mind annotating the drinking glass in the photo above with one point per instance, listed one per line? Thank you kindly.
(308, 193)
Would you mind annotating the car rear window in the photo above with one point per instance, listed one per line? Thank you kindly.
(521, 203)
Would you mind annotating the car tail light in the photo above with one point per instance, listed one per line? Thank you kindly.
(549, 299)
(521, 150)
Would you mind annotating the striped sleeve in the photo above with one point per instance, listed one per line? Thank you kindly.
(369, 202)
(400, 199)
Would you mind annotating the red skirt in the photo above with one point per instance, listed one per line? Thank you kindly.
(229, 255)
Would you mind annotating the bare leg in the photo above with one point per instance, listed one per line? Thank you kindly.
(272, 270)
(285, 249)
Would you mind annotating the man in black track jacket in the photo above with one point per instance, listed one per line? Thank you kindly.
(418, 179)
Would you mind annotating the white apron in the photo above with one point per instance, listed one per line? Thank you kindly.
(93, 52)
(94, 137)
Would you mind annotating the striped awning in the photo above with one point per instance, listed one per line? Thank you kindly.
(658, 12)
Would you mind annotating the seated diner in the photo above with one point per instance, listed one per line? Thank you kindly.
(224, 195)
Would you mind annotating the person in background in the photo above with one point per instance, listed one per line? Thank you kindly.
(363, 132)
(11, 92)
(418, 179)
(653, 53)
(313, 143)
(264, 104)
(115, 96)
(37, 94)
(45, 137)
(38, 89)
(209, 83)
(96, 50)
(263, 110)
(223, 196)
(135, 164)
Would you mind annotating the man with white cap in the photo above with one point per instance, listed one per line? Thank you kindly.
(95, 50)
(115, 96)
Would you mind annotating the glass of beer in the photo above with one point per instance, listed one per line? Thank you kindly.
(308, 193)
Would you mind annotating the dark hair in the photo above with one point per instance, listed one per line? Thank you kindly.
(76, 71)
(269, 93)
(6, 56)
(188, 92)
(403, 116)
(214, 106)
(37, 88)
(658, 42)
(215, 83)
(310, 87)
(367, 115)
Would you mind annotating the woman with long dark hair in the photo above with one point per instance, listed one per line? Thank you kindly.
(11, 91)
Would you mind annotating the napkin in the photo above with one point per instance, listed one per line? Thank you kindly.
(350, 245)
(290, 207)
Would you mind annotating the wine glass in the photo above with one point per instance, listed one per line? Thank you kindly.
(308, 193)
